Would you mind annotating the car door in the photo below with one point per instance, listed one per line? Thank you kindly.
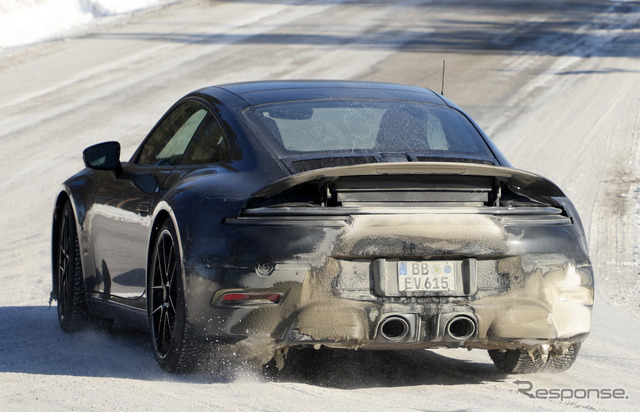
(122, 213)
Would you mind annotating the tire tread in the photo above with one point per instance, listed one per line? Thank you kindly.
(520, 361)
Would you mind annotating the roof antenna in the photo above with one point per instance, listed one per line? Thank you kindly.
(442, 90)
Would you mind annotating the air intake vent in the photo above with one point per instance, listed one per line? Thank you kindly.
(321, 163)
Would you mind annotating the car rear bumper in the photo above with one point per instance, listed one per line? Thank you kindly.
(525, 281)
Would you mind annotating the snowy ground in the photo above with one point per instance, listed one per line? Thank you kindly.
(557, 85)
(29, 21)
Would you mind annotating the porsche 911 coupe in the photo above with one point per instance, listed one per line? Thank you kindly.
(274, 215)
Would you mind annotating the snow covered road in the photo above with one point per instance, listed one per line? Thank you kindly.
(556, 85)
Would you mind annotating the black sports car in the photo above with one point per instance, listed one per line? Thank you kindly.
(271, 215)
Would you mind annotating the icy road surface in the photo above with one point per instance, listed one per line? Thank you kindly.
(556, 84)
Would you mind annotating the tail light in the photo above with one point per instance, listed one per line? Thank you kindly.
(242, 298)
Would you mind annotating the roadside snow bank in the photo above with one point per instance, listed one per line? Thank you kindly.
(30, 21)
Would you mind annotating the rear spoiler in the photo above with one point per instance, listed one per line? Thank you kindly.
(519, 180)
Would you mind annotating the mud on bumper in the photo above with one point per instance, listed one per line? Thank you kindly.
(522, 280)
(547, 307)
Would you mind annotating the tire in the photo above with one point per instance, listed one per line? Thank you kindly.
(516, 361)
(520, 361)
(72, 306)
(563, 362)
(171, 340)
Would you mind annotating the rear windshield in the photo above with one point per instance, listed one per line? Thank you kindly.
(347, 126)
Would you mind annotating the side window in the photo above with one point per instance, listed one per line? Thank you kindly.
(209, 144)
(177, 145)
(169, 141)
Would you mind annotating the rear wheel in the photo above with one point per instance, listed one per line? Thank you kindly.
(516, 361)
(72, 307)
(521, 361)
(173, 346)
(563, 362)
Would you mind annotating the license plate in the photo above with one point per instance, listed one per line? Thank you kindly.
(426, 276)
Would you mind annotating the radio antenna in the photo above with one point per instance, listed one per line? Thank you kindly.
(442, 90)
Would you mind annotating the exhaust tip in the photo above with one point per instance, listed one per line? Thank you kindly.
(461, 328)
(394, 328)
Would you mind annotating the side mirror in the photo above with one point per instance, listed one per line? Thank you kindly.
(103, 156)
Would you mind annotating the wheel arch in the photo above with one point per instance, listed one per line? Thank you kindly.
(162, 214)
(77, 197)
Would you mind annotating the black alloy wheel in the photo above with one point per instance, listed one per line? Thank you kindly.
(173, 348)
(164, 292)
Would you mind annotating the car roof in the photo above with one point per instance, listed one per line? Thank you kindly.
(261, 92)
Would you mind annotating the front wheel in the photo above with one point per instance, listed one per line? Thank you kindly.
(72, 307)
(174, 349)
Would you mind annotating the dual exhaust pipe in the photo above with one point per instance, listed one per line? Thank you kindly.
(395, 328)
(398, 328)
(460, 327)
